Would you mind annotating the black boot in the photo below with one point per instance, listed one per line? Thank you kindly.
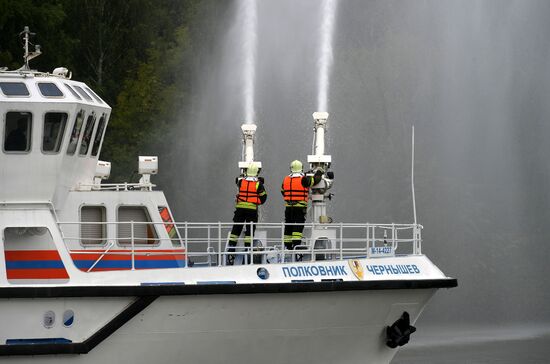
(297, 257)
(230, 258)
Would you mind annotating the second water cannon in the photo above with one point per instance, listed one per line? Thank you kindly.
(248, 130)
(319, 160)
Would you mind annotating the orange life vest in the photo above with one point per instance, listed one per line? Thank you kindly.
(248, 191)
(293, 189)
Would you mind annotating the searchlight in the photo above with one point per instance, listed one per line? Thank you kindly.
(148, 165)
(102, 172)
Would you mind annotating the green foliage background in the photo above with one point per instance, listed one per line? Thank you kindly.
(139, 55)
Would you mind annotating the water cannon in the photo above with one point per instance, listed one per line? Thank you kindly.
(249, 130)
(320, 162)
(319, 159)
(148, 165)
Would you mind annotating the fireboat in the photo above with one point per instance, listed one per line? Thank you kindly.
(101, 272)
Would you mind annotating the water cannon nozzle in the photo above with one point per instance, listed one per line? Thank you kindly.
(248, 129)
(320, 117)
(320, 126)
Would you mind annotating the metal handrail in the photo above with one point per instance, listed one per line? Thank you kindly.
(206, 242)
(125, 186)
(109, 246)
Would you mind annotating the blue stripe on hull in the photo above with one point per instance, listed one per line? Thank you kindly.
(127, 264)
(34, 264)
(53, 340)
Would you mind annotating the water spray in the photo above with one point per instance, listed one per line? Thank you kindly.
(328, 13)
(249, 41)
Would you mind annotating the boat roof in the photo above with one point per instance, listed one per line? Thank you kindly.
(35, 86)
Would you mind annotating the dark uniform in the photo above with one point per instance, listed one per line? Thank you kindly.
(295, 191)
(251, 194)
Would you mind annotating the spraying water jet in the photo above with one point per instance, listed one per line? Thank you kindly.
(249, 29)
(329, 8)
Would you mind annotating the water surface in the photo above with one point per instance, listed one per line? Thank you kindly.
(509, 345)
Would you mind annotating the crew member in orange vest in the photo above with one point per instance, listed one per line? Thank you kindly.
(251, 194)
(295, 191)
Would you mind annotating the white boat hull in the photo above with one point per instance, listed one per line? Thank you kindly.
(301, 327)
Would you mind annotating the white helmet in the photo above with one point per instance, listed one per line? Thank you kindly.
(296, 166)
(252, 170)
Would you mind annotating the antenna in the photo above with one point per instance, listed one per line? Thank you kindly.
(412, 176)
(26, 33)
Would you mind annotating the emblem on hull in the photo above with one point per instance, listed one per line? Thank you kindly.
(356, 268)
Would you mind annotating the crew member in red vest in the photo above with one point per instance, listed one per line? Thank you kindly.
(295, 191)
(251, 194)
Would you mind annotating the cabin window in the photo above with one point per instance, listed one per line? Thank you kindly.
(82, 93)
(99, 135)
(73, 91)
(14, 89)
(144, 233)
(166, 217)
(97, 98)
(75, 134)
(87, 137)
(92, 227)
(17, 132)
(54, 129)
(49, 89)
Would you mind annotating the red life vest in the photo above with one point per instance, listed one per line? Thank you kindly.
(248, 191)
(293, 189)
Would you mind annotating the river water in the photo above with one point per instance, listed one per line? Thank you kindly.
(478, 345)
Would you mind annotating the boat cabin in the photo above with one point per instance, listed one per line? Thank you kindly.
(51, 133)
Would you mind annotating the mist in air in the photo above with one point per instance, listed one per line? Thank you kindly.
(473, 77)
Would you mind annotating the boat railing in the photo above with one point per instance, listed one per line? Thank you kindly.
(125, 186)
(207, 244)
